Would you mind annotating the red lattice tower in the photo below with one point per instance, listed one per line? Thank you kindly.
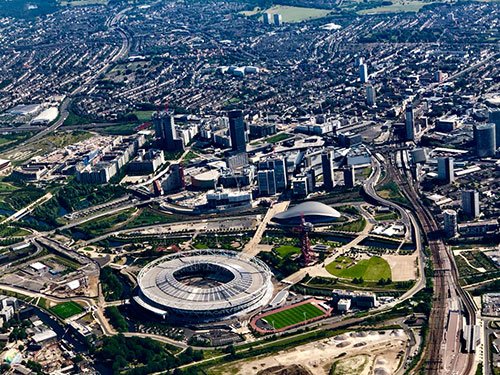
(305, 243)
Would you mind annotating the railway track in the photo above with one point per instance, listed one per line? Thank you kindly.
(445, 276)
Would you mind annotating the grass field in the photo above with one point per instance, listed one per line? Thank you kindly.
(66, 309)
(190, 156)
(354, 226)
(5, 187)
(143, 116)
(372, 269)
(387, 216)
(151, 217)
(293, 315)
(291, 14)
(284, 250)
(278, 138)
(105, 223)
(119, 129)
(390, 191)
(397, 7)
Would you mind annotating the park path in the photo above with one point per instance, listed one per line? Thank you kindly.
(252, 247)
(319, 269)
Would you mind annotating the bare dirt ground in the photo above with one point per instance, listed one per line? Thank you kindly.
(360, 353)
(403, 267)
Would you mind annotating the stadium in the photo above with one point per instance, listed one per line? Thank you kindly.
(313, 212)
(204, 285)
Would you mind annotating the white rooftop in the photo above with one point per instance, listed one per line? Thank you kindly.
(38, 266)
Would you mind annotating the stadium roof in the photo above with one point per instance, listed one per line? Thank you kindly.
(314, 212)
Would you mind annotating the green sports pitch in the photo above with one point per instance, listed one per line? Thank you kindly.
(293, 315)
(66, 309)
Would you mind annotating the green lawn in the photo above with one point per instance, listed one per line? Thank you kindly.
(6, 187)
(143, 116)
(372, 269)
(190, 156)
(353, 226)
(150, 217)
(390, 191)
(284, 250)
(292, 14)
(119, 129)
(66, 309)
(201, 246)
(105, 223)
(293, 316)
(397, 7)
(387, 216)
(278, 138)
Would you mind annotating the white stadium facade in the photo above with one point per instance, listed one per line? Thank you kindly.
(316, 213)
(204, 285)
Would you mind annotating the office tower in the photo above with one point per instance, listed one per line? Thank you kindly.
(267, 182)
(370, 95)
(409, 124)
(485, 139)
(237, 131)
(311, 179)
(236, 160)
(266, 18)
(418, 155)
(349, 177)
(278, 20)
(327, 169)
(470, 203)
(299, 186)
(450, 223)
(494, 117)
(446, 171)
(278, 165)
(358, 61)
(438, 76)
(363, 73)
(165, 132)
(174, 179)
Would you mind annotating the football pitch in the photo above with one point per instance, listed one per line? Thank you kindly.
(66, 309)
(294, 315)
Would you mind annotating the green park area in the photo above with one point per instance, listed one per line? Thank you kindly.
(143, 116)
(290, 13)
(190, 156)
(355, 226)
(387, 216)
(396, 7)
(118, 129)
(294, 315)
(286, 250)
(105, 223)
(372, 269)
(278, 138)
(10, 140)
(391, 192)
(66, 309)
(149, 216)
